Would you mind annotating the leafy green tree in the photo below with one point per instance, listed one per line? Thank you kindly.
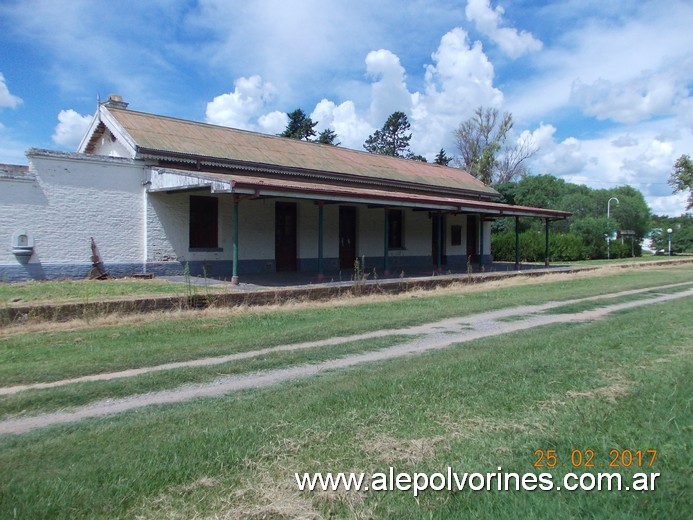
(484, 151)
(593, 232)
(681, 178)
(442, 158)
(588, 222)
(540, 191)
(393, 138)
(681, 237)
(328, 136)
(632, 212)
(414, 157)
(300, 126)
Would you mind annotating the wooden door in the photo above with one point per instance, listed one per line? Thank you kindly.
(472, 237)
(434, 241)
(285, 225)
(347, 237)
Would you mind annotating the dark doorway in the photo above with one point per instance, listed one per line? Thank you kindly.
(434, 243)
(472, 237)
(204, 222)
(285, 223)
(347, 237)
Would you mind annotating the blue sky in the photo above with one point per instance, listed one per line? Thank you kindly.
(602, 87)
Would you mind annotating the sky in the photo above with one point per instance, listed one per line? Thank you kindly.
(603, 87)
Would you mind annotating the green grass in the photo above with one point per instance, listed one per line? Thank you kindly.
(622, 382)
(36, 401)
(51, 356)
(595, 304)
(27, 293)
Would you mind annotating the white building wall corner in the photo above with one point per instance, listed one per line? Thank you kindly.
(73, 198)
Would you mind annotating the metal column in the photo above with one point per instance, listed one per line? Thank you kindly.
(234, 277)
(546, 257)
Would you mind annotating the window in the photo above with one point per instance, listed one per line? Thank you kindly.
(204, 222)
(455, 235)
(395, 229)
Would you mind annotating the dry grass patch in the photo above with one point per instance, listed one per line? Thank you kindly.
(611, 393)
(266, 497)
(388, 450)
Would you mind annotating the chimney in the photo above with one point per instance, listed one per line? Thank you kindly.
(116, 101)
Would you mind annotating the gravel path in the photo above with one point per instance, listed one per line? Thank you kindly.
(432, 336)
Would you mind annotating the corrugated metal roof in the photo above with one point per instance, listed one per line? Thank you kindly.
(260, 186)
(175, 136)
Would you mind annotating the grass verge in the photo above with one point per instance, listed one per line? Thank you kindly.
(96, 290)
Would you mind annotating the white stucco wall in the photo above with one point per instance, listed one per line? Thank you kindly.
(459, 250)
(110, 147)
(73, 199)
(486, 229)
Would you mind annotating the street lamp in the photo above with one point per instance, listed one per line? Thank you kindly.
(608, 206)
(669, 232)
(608, 216)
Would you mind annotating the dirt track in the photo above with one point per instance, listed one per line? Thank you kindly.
(431, 336)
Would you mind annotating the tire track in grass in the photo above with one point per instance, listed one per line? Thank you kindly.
(440, 335)
(451, 325)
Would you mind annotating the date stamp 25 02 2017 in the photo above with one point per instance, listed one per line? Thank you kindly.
(589, 458)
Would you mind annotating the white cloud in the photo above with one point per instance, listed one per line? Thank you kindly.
(621, 52)
(564, 158)
(273, 123)
(671, 205)
(641, 157)
(488, 21)
(70, 128)
(624, 141)
(351, 128)
(389, 90)
(630, 101)
(242, 107)
(7, 100)
(459, 80)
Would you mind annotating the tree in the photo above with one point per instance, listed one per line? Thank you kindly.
(588, 224)
(328, 136)
(442, 158)
(300, 126)
(481, 141)
(681, 178)
(392, 139)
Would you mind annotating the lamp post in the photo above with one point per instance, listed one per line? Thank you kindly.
(669, 232)
(608, 216)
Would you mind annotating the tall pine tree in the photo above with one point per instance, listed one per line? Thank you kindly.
(392, 139)
(300, 126)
